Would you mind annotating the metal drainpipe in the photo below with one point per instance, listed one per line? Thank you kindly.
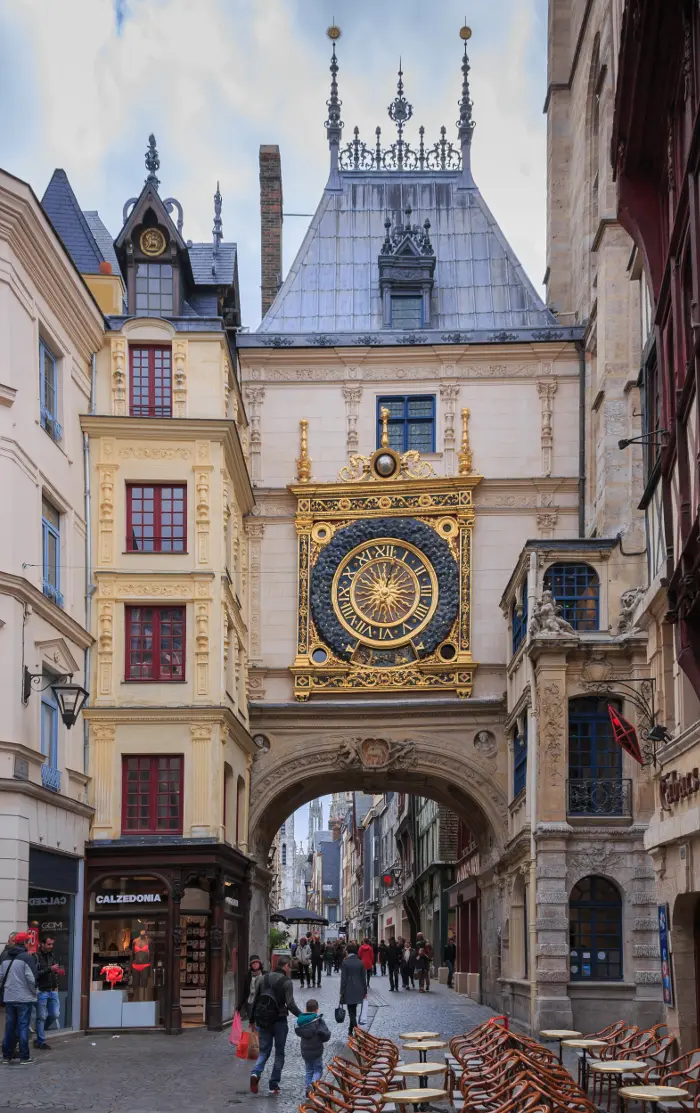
(88, 551)
(581, 438)
(532, 745)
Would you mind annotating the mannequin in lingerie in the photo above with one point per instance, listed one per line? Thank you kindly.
(140, 964)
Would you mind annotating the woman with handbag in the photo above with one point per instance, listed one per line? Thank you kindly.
(353, 984)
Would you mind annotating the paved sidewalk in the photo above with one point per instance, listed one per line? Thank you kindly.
(151, 1073)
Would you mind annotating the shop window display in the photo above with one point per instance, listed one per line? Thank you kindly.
(51, 914)
(194, 952)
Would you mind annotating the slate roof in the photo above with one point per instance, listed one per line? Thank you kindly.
(202, 259)
(103, 238)
(61, 206)
(333, 284)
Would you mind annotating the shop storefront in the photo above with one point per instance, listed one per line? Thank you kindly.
(463, 912)
(54, 883)
(164, 944)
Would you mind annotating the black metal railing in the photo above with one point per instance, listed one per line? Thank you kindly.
(597, 796)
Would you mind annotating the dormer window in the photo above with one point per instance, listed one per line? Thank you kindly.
(154, 289)
(406, 269)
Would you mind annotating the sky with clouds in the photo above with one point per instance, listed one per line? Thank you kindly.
(83, 82)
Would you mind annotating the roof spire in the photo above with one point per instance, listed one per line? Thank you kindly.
(152, 161)
(217, 230)
(465, 124)
(400, 111)
(334, 124)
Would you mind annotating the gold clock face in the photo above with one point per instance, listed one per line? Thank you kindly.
(385, 592)
(152, 241)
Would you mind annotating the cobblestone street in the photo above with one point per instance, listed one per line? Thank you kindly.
(198, 1071)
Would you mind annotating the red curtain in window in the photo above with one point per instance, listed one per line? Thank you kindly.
(150, 381)
(152, 795)
(155, 643)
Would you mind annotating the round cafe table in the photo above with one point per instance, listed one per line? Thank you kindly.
(419, 1098)
(651, 1094)
(423, 1047)
(559, 1034)
(616, 1068)
(419, 1035)
(585, 1046)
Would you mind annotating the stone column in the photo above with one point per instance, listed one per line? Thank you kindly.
(102, 736)
(199, 801)
(449, 392)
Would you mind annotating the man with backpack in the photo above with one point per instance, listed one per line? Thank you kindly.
(274, 1000)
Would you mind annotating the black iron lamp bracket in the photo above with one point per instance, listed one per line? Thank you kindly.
(29, 682)
(640, 692)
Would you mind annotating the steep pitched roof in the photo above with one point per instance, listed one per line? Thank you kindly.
(103, 238)
(61, 206)
(209, 269)
(333, 284)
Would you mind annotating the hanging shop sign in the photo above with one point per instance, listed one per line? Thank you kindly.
(232, 902)
(117, 899)
(625, 734)
(674, 787)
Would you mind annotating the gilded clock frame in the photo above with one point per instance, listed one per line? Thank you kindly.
(444, 504)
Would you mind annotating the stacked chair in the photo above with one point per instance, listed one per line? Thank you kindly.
(356, 1086)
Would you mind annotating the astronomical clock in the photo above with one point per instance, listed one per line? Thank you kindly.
(385, 564)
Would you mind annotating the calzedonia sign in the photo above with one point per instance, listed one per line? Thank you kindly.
(113, 899)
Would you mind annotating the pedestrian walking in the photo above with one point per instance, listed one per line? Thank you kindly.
(313, 1032)
(250, 986)
(328, 959)
(450, 957)
(317, 949)
(304, 960)
(48, 1007)
(18, 985)
(422, 969)
(382, 956)
(366, 955)
(338, 956)
(274, 1000)
(393, 961)
(353, 984)
(375, 948)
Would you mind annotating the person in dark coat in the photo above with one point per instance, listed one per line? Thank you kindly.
(328, 959)
(317, 949)
(393, 961)
(422, 969)
(250, 985)
(338, 956)
(450, 959)
(277, 986)
(382, 956)
(353, 984)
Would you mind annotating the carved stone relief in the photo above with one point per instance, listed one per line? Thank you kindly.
(552, 730)
(547, 618)
(254, 397)
(628, 604)
(201, 625)
(546, 391)
(375, 753)
(352, 395)
(106, 523)
(255, 530)
(449, 392)
(119, 353)
(180, 378)
(104, 648)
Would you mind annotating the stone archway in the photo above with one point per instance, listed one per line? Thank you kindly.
(463, 769)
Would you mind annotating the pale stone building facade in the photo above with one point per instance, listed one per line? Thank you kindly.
(50, 327)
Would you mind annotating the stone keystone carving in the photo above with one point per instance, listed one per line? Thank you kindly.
(547, 618)
(628, 603)
(375, 753)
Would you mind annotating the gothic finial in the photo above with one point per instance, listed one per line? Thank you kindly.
(303, 459)
(334, 124)
(465, 453)
(384, 418)
(465, 124)
(218, 229)
(400, 111)
(152, 161)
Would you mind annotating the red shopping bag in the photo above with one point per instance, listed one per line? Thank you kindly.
(236, 1029)
(242, 1050)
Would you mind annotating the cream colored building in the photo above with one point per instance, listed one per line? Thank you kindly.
(50, 327)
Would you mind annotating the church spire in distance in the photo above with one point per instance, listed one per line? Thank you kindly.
(465, 124)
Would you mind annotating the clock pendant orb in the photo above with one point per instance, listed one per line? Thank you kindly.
(152, 242)
(385, 592)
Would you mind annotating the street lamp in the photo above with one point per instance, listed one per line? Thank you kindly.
(69, 697)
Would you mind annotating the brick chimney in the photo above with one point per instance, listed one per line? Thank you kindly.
(270, 224)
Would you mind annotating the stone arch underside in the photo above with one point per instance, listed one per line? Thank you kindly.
(294, 771)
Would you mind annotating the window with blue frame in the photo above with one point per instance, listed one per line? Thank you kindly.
(48, 386)
(576, 589)
(51, 545)
(50, 775)
(595, 761)
(406, 311)
(520, 759)
(519, 618)
(595, 931)
(411, 422)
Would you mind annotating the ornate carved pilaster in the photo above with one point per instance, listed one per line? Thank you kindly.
(180, 378)
(546, 391)
(102, 737)
(546, 522)
(107, 470)
(552, 744)
(449, 392)
(352, 395)
(254, 397)
(119, 357)
(105, 647)
(202, 479)
(201, 626)
(201, 751)
(255, 530)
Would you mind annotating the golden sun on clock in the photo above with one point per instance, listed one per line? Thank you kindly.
(385, 592)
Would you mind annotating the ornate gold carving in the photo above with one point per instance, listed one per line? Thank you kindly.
(146, 453)
(180, 378)
(411, 466)
(465, 452)
(306, 682)
(152, 241)
(303, 459)
(119, 376)
(322, 533)
(384, 418)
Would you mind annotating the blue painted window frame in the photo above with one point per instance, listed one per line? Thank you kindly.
(520, 759)
(519, 620)
(595, 921)
(48, 383)
(50, 532)
(401, 442)
(593, 752)
(576, 588)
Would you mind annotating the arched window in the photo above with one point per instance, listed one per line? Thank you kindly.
(575, 588)
(595, 931)
(595, 761)
(519, 618)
